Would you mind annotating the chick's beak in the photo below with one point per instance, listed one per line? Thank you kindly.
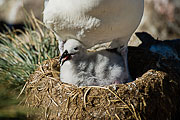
(65, 56)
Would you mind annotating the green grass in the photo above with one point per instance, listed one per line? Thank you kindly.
(19, 57)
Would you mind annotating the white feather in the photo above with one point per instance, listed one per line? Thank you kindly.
(94, 68)
(94, 21)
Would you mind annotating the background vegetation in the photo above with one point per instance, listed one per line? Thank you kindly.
(20, 54)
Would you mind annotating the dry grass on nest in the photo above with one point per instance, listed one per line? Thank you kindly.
(150, 94)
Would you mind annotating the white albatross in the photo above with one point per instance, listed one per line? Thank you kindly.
(83, 68)
(94, 22)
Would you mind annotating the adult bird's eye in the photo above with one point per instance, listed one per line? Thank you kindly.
(76, 48)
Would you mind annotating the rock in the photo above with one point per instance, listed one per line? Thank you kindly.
(161, 20)
(12, 11)
(169, 49)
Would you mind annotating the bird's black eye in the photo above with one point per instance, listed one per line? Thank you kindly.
(76, 48)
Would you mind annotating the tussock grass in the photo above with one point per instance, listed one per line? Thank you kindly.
(20, 55)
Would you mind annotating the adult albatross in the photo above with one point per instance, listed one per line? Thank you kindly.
(94, 21)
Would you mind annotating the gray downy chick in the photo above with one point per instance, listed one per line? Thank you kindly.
(82, 68)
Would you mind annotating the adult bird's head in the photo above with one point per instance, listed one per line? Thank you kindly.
(73, 50)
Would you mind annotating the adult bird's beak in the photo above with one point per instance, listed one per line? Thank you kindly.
(65, 56)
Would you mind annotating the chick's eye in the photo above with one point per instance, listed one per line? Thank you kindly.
(76, 48)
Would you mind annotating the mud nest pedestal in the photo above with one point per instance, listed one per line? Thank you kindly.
(154, 95)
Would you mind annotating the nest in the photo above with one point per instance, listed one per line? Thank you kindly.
(154, 95)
